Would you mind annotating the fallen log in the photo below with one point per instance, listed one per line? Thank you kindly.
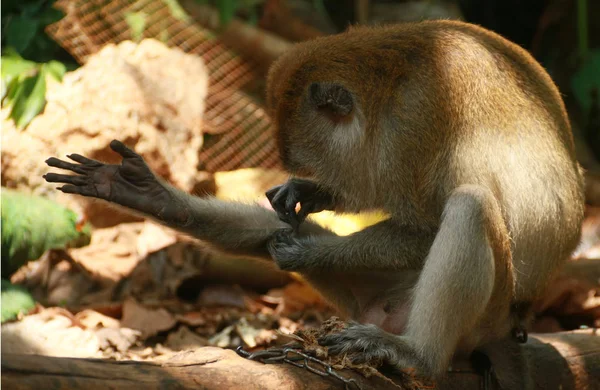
(568, 360)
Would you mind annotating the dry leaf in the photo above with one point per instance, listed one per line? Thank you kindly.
(50, 333)
(184, 338)
(91, 319)
(112, 254)
(195, 318)
(247, 332)
(222, 295)
(148, 321)
(153, 238)
(122, 339)
(223, 338)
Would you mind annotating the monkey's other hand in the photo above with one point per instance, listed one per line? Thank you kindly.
(370, 344)
(288, 251)
(131, 184)
(311, 197)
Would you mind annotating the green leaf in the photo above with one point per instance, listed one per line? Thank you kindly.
(50, 15)
(9, 52)
(164, 36)
(586, 79)
(56, 69)
(5, 87)
(227, 10)
(8, 94)
(177, 11)
(31, 8)
(319, 6)
(137, 24)
(252, 16)
(13, 66)
(12, 7)
(32, 224)
(30, 99)
(15, 299)
(21, 31)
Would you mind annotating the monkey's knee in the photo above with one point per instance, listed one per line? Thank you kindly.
(471, 201)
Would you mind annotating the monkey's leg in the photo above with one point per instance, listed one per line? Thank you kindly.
(467, 272)
(234, 228)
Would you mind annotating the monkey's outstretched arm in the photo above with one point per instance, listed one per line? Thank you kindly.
(232, 227)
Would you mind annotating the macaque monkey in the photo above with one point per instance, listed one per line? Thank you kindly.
(459, 135)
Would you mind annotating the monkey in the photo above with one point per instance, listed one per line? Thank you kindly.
(458, 134)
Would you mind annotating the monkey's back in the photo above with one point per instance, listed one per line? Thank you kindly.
(514, 137)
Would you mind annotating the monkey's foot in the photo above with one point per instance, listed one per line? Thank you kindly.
(370, 344)
(311, 197)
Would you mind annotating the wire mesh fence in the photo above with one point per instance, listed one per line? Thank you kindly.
(237, 129)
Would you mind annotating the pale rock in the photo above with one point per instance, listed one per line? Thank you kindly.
(147, 95)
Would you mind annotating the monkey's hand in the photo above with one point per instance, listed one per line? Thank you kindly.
(289, 251)
(370, 344)
(131, 184)
(311, 197)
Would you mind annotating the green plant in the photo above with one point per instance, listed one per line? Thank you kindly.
(586, 78)
(28, 56)
(137, 24)
(24, 86)
(228, 8)
(23, 24)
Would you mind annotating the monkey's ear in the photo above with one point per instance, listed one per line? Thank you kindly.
(333, 98)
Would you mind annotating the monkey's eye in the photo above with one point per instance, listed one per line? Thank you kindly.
(333, 98)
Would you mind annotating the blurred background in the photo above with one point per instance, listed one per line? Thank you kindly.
(183, 82)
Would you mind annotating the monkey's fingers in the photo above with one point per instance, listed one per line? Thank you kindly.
(314, 205)
(84, 160)
(79, 190)
(56, 163)
(282, 199)
(278, 197)
(290, 218)
(122, 149)
(270, 194)
(67, 179)
(305, 209)
(73, 184)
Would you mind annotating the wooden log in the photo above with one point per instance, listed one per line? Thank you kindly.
(566, 361)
